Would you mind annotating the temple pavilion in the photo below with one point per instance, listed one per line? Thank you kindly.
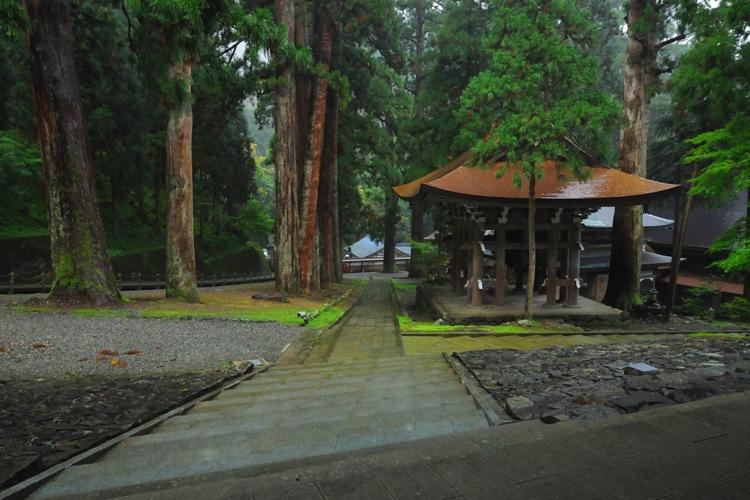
(489, 218)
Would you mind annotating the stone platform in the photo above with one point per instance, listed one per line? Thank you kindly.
(453, 309)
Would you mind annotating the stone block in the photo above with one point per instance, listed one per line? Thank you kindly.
(640, 369)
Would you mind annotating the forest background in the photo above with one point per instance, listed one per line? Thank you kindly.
(378, 98)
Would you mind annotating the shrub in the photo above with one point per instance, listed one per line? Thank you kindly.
(738, 309)
(698, 301)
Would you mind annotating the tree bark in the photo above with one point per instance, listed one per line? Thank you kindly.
(181, 282)
(303, 89)
(527, 309)
(338, 268)
(627, 229)
(417, 211)
(287, 228)
(314, 152)
(389, 232)
(417, 235)
(78, 247)
(328, 194)
(674, 270)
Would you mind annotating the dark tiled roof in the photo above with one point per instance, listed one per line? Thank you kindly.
(602, 219)
(705, 224)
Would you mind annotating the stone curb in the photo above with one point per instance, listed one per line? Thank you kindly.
(491, 408)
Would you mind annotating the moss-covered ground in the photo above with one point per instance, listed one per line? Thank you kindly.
(233, 302)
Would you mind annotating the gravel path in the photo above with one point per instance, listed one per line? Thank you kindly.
(53, 345)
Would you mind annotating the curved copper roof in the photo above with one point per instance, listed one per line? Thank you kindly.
(457, 182)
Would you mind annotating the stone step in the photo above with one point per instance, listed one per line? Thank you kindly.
(238, 476)
(424, 359)
(260, 416)
(353, 371)
(289, 431)
(307, 379)
(281, 391)
(346, 415)
(130, 467)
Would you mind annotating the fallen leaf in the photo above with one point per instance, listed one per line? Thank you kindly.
(101, 359)
(133, 352)
(3, 349)
(101, 394)
(39, 346)
(118, 363)
(84, 359)
(110, 353)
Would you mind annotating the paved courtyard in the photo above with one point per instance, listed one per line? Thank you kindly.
(372, 415)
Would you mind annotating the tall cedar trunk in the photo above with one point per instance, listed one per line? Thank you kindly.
(303, 89)
(315, 264)
(679, 242)
(389, 241)
(79, 250)
(527, 311)
(417, 211)
(328, 196)
(627, 228)
(416, 270)
(338, 270)
(327, 192)
(287, 228)
(181, 279)
(314, 152)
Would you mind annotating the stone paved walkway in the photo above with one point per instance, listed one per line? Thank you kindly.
(350, 429)
(356, 390)
(369, 330)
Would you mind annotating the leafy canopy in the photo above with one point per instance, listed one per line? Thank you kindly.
(539, 89)
(713, 83)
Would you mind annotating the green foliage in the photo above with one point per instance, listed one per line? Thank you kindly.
(738, 309)
(698, 301)
(22, 206)
(726, 154)
(431, 259)
(540, 87)
(14, 23)
(370, 151)
(254, 220)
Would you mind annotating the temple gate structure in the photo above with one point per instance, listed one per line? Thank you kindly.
(489, 218)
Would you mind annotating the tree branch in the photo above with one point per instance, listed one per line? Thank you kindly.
(130, 25)
(670, 40)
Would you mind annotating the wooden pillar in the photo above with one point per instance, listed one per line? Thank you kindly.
(500, 266)
(564, 258)
(477, 267)
(456, 281)
(574, 265)
(552, 266)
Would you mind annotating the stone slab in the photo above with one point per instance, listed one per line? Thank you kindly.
(452, 308)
